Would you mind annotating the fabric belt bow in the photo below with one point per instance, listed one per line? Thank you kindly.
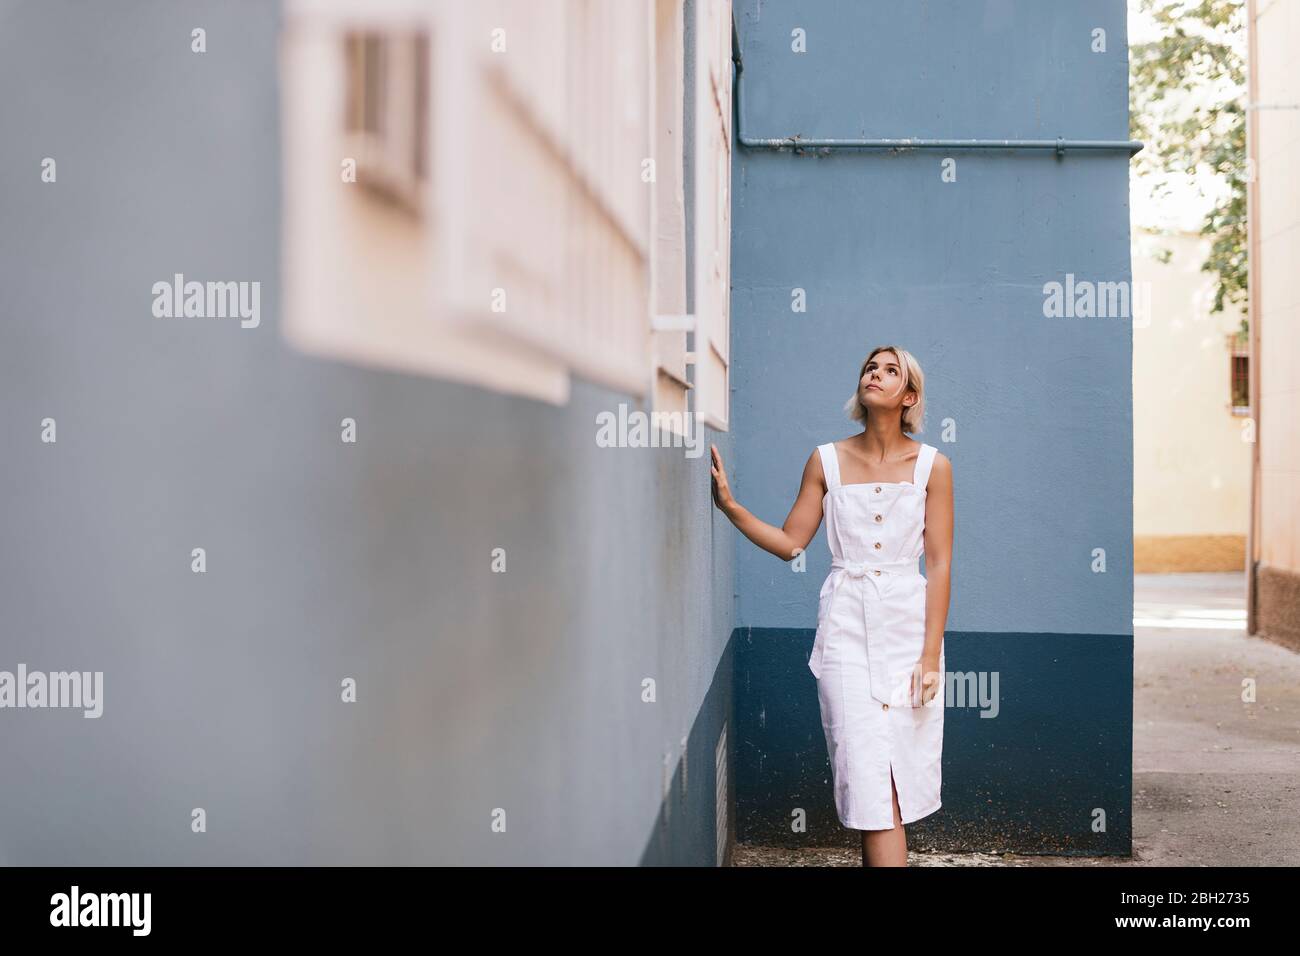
(860, 569)
(876, 660)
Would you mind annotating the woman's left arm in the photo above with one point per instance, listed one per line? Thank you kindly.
(938, 571)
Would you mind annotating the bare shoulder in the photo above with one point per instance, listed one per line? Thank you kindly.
(941, 468)
(813, 466)
(813, 471)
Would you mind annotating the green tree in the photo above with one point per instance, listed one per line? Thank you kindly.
(1187, 94)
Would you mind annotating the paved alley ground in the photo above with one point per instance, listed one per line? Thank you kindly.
(1216, 781)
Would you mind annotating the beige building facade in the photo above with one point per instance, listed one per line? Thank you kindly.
(1191, 416)
(1273, 135)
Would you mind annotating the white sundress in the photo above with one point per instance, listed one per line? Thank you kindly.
(870, 632)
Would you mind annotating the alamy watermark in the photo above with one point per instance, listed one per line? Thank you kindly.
(638, 429)
(76, 908)
(1084, 298)
(210, 300)
(978, 689)
(83, 690)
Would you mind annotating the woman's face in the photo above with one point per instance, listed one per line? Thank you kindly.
(882, 384)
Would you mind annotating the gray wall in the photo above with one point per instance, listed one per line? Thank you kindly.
(889, 253)
(325, 560)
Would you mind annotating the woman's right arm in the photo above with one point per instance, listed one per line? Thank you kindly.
(802, 523)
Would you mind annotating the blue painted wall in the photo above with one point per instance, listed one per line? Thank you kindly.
(1037, 408)
(475, 690)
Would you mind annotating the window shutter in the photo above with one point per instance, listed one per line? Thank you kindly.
(713, 211)
(543, 186)
(669, 259)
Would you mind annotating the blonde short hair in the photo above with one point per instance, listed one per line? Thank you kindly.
(913, 379)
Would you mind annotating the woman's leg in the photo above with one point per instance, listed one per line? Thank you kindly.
(886, 847)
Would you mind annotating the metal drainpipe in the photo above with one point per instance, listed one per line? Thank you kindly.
(1060, 144)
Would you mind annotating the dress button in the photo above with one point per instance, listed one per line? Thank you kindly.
(877, 489)
(879, 518)
(884, 707)
(877, 545)
(876, 572)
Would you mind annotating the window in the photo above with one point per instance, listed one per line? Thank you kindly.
(498, 227)
(1239, 378)
(386, 118)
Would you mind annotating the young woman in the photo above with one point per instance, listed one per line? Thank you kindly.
(878, 655)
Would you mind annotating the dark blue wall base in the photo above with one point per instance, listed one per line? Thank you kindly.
(1035, 775)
